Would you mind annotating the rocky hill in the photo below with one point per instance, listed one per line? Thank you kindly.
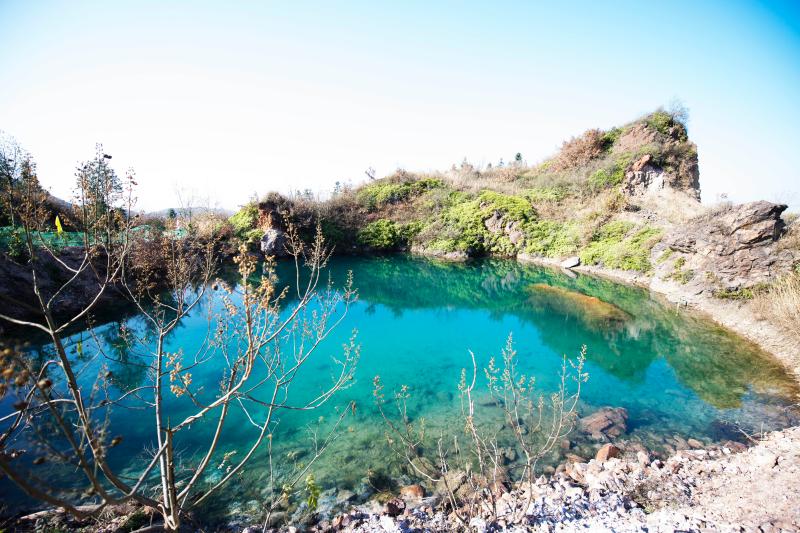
(624, 199)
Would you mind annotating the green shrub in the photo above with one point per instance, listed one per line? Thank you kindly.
(654, 150)
(466, 231)
(614, 246)
(666, 254)
(678, 274)
(551, 238)
(683, 276)
(380, 193)
(546, 194)
(660, 121)
(512, 207)
(734, 294)
(408, 231)
(381, 234)
(602, 179)
(742, 293)
(244, 221)
(333, 233)
(611, 175)
(610, 137)
(252, 235)
(17, 249)
(462, 225)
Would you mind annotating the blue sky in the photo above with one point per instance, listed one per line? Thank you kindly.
(223, 100)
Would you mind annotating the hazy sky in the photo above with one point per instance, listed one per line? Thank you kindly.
(234, 98)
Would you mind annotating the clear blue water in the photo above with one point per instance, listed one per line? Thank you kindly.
(417, 319)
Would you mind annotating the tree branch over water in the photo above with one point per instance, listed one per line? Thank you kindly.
(257, 343)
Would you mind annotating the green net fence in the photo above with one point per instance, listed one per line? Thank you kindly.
(71, 238)
(51, 238)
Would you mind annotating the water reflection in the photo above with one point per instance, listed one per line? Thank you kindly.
(625, 330)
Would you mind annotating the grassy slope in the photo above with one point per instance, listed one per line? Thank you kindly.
(571, 204)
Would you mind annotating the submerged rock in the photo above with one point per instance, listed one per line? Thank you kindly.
(592, 312)
(412, 492)
(608, 422)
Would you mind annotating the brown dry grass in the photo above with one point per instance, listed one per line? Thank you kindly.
(791, 240)
(781, 303)
(579, 151)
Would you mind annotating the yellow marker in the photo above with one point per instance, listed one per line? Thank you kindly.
(59, 229)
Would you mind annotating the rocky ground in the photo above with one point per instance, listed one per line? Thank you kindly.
(709, 489)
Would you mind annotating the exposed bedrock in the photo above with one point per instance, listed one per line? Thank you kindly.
(726, 249)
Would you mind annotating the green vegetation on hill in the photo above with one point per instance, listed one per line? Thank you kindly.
(244, 222)
(571, 204)
(380, 193)
(621, 245)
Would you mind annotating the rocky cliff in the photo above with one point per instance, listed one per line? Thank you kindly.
(726, 250)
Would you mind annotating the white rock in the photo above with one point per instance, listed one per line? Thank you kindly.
(388, 524)
(571, 262)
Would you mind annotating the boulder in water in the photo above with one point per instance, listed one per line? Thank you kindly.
(607, 423)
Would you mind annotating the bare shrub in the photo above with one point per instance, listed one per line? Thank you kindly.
(472, 468)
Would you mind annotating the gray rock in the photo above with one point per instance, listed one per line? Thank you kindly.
(725, 250)
(274, 243)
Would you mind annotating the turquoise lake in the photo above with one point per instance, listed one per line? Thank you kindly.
(678, 376)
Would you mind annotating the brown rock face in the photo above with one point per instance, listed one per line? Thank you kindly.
(608, 451)
(606, 423)
(641, 163)
(675, 167)
(727, 249)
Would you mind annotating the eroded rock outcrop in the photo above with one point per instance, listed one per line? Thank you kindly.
(673, 166)
(18, 300)
(727, 249)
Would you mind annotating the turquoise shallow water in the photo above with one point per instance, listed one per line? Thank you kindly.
(677, 375)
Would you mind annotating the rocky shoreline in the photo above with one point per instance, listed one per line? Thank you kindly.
(711, 489)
